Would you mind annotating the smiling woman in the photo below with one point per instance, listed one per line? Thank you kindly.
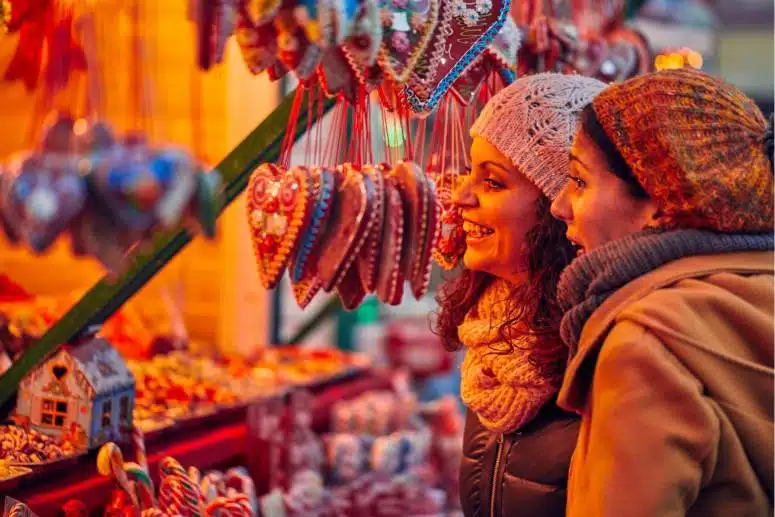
(502, 306)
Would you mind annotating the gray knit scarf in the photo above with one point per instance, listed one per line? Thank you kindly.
(589, 280)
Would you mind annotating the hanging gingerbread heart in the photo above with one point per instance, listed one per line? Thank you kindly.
(465, 29)
(505, 45)
(41, 195)
(367, 262)
(350, 290)
(348, 228)
(317, 19)
(394, 256)
(278, 208)
(125, 185)
(421, 274)
(362, 47)
(295, 51)
(408, 26)
(337, 76)
(304, 290)
(257, 43)
(306, 258)
(466, 86)
(413, 185)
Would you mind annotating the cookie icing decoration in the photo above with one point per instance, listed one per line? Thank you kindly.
(278, 207)
(348, 228)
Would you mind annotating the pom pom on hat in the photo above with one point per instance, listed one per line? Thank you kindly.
(532, 122)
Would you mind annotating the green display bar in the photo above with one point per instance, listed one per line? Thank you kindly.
(263, 144)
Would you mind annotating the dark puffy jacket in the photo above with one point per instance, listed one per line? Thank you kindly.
(521, 474)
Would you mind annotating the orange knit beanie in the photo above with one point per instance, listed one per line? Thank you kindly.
(699, 147)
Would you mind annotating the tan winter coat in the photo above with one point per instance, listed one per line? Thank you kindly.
(674, 381)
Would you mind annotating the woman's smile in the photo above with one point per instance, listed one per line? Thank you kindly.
(476, 232)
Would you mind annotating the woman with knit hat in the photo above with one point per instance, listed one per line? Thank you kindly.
(502, 308)
(670, 302)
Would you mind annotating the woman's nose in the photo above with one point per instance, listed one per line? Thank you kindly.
(561, 207)
(463, 196)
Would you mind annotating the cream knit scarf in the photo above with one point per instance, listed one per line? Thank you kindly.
(503, 389)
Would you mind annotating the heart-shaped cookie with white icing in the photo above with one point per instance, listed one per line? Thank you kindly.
(278, 208)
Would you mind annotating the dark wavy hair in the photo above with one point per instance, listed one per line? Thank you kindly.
(532, 307)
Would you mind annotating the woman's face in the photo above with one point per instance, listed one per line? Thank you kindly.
(597, 205)
(498, 204)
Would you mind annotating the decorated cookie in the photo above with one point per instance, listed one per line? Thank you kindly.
(304, 290)
(337, 76)
(257, 43)
(465, 29)
(295, 51)
(40, 197)
(278, 208)
(306, 258)
(408, 26)
(350, 289)
(348, 228)
(368, 259)
(414, 187)
(393, 255)
(362, 47)
(422, 273)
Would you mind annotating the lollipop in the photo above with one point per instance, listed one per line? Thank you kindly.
(110, 461)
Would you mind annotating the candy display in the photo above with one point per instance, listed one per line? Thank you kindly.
(180, 385)
(14, 508)
(181, 492)
(381, 229)
(20, 445)
(106, 194)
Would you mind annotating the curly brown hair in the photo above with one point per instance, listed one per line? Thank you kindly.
(533, 309)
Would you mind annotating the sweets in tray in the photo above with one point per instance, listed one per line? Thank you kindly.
(180, 385)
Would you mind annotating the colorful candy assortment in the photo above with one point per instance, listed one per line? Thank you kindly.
(180, 385)
(181, 492)
(353, 230)
(19, 444)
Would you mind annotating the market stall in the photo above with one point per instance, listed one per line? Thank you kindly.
(347, 195)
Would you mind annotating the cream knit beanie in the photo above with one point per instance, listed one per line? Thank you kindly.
(532, 122)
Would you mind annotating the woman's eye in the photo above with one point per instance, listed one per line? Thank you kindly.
(580, 183)
(493, 184)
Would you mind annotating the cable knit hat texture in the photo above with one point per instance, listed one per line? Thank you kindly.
(697, 145)
(532, 122)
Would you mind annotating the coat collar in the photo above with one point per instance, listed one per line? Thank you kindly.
(578, 374)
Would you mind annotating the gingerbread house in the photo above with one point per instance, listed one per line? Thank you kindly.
(85, 393)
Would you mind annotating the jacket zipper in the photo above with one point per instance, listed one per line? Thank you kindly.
(495, 469)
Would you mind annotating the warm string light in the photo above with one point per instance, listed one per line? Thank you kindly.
(681, 58)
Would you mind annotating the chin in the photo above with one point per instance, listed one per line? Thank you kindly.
(475, 263)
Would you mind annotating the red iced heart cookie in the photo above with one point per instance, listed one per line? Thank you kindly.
(278, 207)
(368, 259)
(464, 30)
(393, 257)
(351, 290)
(349, 225)
(451, 244)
